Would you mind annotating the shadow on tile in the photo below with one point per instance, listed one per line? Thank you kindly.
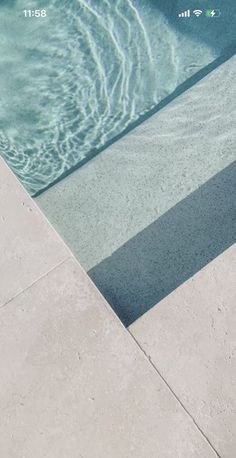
(172, 249)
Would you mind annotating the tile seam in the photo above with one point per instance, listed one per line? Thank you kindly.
(204, 436)
(147, 357)
(2, 306)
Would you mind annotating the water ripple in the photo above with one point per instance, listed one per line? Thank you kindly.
(75, 80)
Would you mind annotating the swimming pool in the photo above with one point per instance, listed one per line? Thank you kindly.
(71, 82)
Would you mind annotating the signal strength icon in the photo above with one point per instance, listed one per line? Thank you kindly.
(197, 12)
(185, 14)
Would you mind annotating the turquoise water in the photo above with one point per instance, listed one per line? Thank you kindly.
(73, 81)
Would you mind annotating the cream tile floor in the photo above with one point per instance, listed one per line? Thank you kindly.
(74, 383)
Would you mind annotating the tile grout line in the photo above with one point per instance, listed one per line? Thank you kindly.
(174, 394)
(71, 256)
(34, 282)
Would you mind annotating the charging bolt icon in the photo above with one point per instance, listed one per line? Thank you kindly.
(213, 13)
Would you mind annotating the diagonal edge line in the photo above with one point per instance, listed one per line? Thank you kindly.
(34, 282)
(175, 395)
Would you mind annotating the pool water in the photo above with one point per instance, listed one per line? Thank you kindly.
(72, 82)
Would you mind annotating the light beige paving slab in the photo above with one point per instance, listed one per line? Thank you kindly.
(29, 247)
(74, 384)
(190, 337)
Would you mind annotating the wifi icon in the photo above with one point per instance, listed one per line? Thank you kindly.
(197, 12)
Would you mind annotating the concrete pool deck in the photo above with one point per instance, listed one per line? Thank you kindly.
(160, 196)
(74, 383)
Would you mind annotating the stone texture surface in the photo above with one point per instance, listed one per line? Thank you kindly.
(29, 246)
(74, 384)
(171, 250)
(140, 177)
(190, 337)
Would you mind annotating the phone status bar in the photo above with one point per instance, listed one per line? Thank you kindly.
(209, 13)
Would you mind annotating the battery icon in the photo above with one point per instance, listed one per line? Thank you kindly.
(213, 13)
